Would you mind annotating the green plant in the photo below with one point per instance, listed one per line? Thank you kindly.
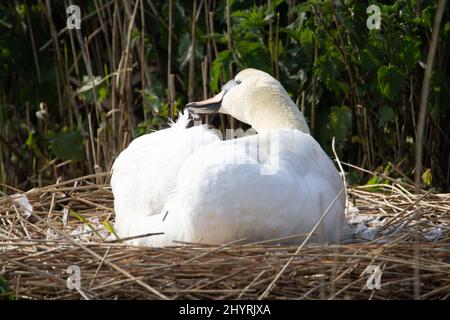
(71, 100)
(5, 290)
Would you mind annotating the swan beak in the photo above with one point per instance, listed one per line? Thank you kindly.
(208, 106)
(212, 105)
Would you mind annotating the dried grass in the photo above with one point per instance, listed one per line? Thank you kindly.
(34, 260)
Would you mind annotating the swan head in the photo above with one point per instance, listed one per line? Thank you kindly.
(256, 98)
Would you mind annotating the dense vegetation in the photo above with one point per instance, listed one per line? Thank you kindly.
(71, 100)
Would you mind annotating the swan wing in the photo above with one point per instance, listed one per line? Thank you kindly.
(273, 185)
(145, 173)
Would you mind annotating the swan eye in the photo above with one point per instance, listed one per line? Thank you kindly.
(238, 81)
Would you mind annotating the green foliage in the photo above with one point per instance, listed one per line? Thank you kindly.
(390, 82)
(386, 114)
(110, 229)
(5, 290)
(33, 144)
(66, 145)
(340, 120)
(366, 84)
(93, 90)
(87, 223)
(221, 67)
(427, 177)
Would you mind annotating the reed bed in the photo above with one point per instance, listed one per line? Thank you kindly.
(405, 235)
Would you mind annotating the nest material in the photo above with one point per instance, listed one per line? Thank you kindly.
(409, 247)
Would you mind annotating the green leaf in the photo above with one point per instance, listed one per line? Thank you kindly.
(374, 180)
(152, 101)
(390, 81)
(386, 114)
(340, 120)
(66, 145)
(220, 65)
(78, 216)
(369, 59)
(110, 229)
(303, 7)
(91, 85)
(253, 54)
(184, 50)
(254, 18)
(345, 87)
(446, 30)
(5, 290)
(427, 177)
(427, 17)
(306, 37)
(85, 221)
(409, 52)
(32, 143)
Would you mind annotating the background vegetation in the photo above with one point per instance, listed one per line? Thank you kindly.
(71, 100)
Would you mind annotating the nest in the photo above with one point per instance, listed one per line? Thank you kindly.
(400, 250)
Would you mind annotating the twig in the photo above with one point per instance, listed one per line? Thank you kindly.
(425, 90)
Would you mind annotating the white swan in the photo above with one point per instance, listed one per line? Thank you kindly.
(193, 187)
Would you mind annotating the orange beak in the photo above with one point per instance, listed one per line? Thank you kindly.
(212, 105)
(208, 106)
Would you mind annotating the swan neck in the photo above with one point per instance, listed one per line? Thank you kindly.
(286, 117)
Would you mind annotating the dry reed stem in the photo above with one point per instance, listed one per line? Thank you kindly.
(35, 266)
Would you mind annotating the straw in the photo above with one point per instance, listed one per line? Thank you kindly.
(411, 248)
